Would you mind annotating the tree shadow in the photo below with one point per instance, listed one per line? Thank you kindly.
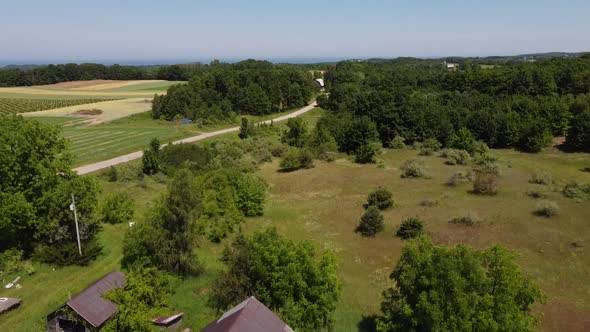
(367, 324)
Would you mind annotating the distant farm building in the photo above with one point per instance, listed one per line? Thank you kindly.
(7, 304)
(248, 316)
(451, 66)
(88, 310)
(320, 82)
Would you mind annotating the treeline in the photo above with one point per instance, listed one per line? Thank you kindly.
(52, 74)
(522, 105)
(222, 91)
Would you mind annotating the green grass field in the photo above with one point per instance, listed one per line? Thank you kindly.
(17, 105)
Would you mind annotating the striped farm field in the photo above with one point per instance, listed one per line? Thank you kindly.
(18, 105)
(90, 143)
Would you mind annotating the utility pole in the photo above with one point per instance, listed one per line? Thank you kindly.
(73, 208)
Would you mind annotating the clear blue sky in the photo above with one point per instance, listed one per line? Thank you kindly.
(80, 30)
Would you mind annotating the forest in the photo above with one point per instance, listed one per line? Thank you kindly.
(521, 105)
(222, 91)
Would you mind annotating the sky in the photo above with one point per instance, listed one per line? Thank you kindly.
(41, 31)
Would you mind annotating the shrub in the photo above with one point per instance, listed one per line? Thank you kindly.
(371, 222)
(459, 177)
(485, 183)
(296, 159)
(11, 261)
(431, 144)
(576, 190)
(117, 208)
(381, 198)
(428, 202)
(543, 178)
(413, 169)
(112, 174)
(151, 158)
(547, 209)
(398, 143)
(251, 194)
(65, 254)
(410, 228)
(366, 153)
(247, 129)
(467, 220)
(456, 157)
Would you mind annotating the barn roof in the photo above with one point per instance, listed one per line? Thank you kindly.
(167, 320)
(90, 304)
(8, 303)
(248, 316)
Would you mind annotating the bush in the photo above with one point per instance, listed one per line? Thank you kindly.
(118, 208)
(296, 159)
(459, 177)
(11, 261)
(576, 190)
(485, 183)
(112, 174)
(428, 202)
(547, 209)
(467, 220)
(366, 153)
(456, 157)
(371, 222)
(410, 228)
(151, 158)
(381, 198)
(247, 129)
(251, 194)
(65, 254)
(413, 169)
(543, 178)
(398, 143)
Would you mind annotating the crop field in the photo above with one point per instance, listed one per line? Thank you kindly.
(89, 143)
(18, 105)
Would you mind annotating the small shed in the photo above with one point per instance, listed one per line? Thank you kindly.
(88, 310)
(8, 303)
(170, 322)
(248, 316)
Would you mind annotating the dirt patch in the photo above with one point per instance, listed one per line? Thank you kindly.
(563, 316)
(80, 84)
(93, 111)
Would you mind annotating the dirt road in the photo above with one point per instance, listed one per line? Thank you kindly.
(138, 154)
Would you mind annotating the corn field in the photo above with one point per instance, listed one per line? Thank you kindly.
(16, 105)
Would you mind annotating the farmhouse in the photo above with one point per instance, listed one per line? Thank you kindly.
(248, 316)
(88, 310)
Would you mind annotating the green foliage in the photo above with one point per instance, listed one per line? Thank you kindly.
(547, 209)
(167, 238)
(151, 158)
(371, 222)
(251, 194)
(247, 129)
(489, 291)
(413, 168)
(398, 143)
(576, 190)
(543, 178)
(485, 183)
(459, 177)
(534, 136)
(296, 159)
(17, 105)
(366, 153)
(112, 174)
(381, 198)
(322, 143)
(290, 278)
(578, 134)
(11, 261)
(144, 296)
(410, 228)
(36, 183)
(535, 194)
(296, 133)
(464, 140)
(66, 253)
(456, 157)
(467, 220)
(117, 208)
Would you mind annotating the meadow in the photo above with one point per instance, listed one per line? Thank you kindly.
(323, 205)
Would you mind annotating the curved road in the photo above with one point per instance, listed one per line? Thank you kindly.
(138, 154)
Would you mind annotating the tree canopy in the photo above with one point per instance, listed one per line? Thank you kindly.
(457, 289)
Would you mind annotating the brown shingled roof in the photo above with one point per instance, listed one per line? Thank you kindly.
(90, 304)
(248, 316)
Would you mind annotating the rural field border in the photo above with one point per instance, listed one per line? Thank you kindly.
(138, 154)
